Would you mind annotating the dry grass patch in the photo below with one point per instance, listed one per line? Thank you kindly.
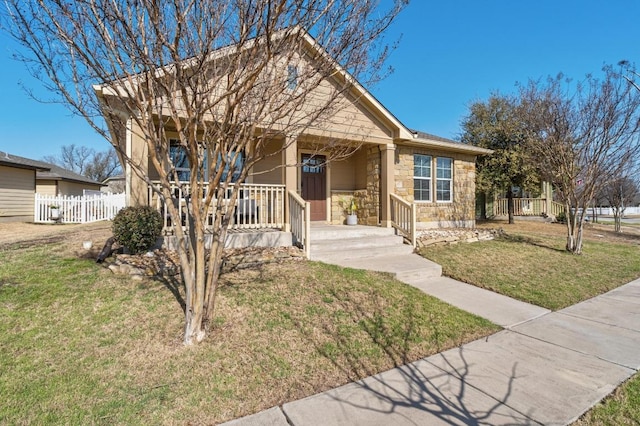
(529, 263)
(79, 345)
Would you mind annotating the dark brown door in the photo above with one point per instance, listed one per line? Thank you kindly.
(314, 184)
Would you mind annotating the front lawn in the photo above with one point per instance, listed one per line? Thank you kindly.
(620, 408)
(529, 263)
(79, 345)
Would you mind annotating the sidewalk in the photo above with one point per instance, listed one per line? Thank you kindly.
(544, 368)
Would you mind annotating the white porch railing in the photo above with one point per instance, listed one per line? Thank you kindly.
(403, 217)
(528, 207)
(300, 219)
(258, 206)
(92, 208)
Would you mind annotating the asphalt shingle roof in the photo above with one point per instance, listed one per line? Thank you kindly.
(44, 170)
(424, 135)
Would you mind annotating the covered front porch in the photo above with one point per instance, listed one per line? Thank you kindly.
(328, 184)
(302, 186)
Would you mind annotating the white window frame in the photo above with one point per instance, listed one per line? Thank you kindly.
(438, 179)
(423, 178)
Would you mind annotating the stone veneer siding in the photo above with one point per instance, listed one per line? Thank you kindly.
(369, 208)
(340, 202)
(459, 213)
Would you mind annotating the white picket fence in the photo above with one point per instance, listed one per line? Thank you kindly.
(91, 208)
(608, 211)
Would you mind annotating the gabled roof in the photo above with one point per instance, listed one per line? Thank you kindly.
(401, 131)
(403, 134)
(44, 171)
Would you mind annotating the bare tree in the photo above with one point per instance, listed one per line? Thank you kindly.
(226, 76)
(87, 162)
(583, 138)
(619, 194)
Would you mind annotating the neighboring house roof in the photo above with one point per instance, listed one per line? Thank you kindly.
(45, 171)
(116, 178)
(19, 162)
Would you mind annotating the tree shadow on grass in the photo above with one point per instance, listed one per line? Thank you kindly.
(520, 239)
(173, 283)
(410, 388)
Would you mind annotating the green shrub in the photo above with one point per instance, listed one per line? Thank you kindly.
(561, 217)
(137, 228)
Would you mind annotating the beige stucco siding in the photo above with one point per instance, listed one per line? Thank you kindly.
(460, 212)
(269, 169)
(17, 193)
(348, 118)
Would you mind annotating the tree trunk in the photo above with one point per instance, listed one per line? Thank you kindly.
(510, 207)
(617, 218)
(106, 250)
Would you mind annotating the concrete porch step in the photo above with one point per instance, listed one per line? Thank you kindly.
(352, 243)
(321, 232)
(369, 247)
(331, 253)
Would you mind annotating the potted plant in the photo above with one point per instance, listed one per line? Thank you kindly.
(55, 211)
(352, 218)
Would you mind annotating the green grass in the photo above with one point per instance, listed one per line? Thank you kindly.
(79, 345)
(620, 408)
(537, 269)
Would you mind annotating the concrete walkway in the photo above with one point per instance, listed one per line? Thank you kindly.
(544, 368)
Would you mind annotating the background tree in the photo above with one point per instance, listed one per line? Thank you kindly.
(87, 162)
(496, 124)
(619, 194)
(583, 137)
(226, 75)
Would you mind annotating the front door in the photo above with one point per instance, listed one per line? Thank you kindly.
(314, 184)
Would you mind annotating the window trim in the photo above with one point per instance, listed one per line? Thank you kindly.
(423, 178)
(450, 180)
(434, 179)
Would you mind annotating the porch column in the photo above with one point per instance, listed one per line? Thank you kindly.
(290, 173)
(387, 179)
(137, 193)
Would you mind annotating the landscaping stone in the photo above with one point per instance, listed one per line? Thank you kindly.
(429, 237)
(165, 263)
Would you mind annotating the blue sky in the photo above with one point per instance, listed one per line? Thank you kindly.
(451, 53)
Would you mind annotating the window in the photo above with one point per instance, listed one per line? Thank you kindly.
(179, 159)
(292, 77)
(313, 164)
(236, 169)
(444, 177)
(422, 177)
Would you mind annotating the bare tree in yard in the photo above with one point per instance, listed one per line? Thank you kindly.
(496, 124)
(619, 194)
(87, 162)
(583, 138)
(226, 76)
